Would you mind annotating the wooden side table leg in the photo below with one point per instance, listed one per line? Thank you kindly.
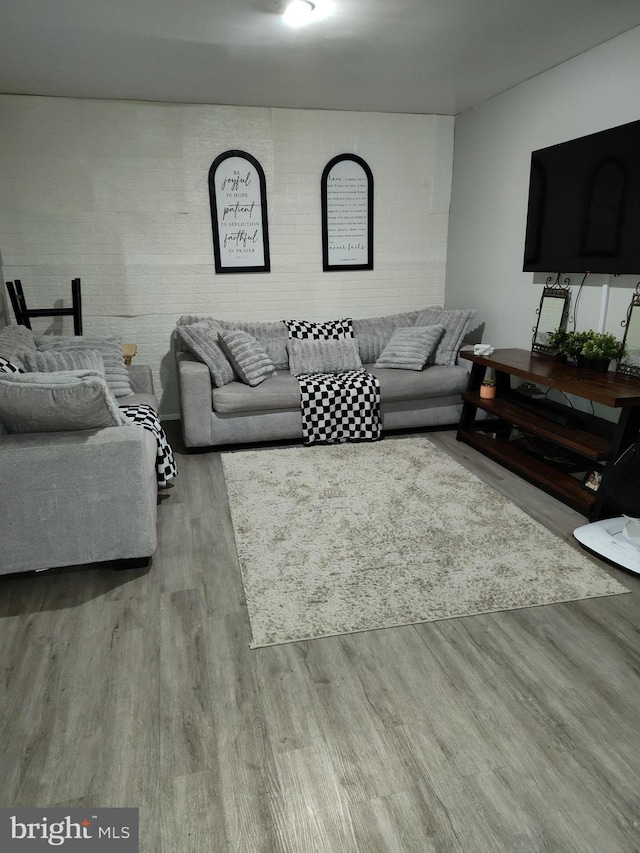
(129, 351)
(503, 383)
(468, 415)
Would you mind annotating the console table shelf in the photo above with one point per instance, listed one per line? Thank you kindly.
(597, 441)
(580, 441)
(559, 484)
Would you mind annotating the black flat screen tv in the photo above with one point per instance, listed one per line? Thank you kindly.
(584, 205)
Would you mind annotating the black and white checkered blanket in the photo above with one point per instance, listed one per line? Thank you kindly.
(143, 415)
(340, 407)
(336, 407)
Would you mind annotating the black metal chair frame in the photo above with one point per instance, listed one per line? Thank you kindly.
(23, 314)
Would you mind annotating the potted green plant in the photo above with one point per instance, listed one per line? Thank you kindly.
(556, 341)
(598, 349)
(573, 343)
(590, 349)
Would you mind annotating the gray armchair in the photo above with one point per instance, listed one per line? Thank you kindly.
(86, 496)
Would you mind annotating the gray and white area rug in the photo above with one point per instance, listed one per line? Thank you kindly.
(352, 537)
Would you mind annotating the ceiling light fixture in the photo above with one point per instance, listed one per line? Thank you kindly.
(298, 13)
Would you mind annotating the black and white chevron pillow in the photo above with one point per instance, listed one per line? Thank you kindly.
(331, 330)
(7, 366)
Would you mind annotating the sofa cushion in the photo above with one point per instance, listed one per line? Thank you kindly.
(456, 323)
(279, 391)
(56, 360)
(282, 391)
(410, 348)
(53, 402)
(323, 356)
(320, 331)
(201, 340)
(374, 333)
(109, 346)
(436, 381)
(248, 357)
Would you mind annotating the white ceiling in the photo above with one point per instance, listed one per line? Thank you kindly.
(423, 56)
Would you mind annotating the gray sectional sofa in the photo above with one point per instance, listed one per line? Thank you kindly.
(216, 410)
(78, 495)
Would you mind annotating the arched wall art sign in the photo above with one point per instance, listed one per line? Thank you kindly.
(347, 214)
(238, 199)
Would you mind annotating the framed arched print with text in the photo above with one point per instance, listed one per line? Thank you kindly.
(238, 199)
(347, 214)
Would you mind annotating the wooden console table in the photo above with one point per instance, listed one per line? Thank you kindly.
(595, 439)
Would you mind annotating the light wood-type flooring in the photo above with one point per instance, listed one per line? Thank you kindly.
(514, 732)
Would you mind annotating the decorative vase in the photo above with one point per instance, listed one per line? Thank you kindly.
(600, 365)
(488, 391)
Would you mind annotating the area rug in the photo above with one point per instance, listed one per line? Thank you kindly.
(353, 537)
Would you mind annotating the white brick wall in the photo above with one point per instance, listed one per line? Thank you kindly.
(116, 193)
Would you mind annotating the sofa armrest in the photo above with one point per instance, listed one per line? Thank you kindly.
(196, 405)
(141, 378)
(71, 498)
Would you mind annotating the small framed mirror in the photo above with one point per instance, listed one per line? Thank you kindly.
(552, 314)
(629, 364)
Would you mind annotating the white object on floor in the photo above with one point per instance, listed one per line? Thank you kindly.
(615, 539)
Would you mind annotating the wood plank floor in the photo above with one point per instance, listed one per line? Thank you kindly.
(515, 732)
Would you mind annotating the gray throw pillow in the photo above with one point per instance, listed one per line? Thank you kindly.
(410, 348)
(374, 333)
(54, 402)
(272, 334)
(187, 319)
(56, 360)
(323, 356)
(456, 322)
(14, 342)
(201, 340)
(109, 346)
(248, 357)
